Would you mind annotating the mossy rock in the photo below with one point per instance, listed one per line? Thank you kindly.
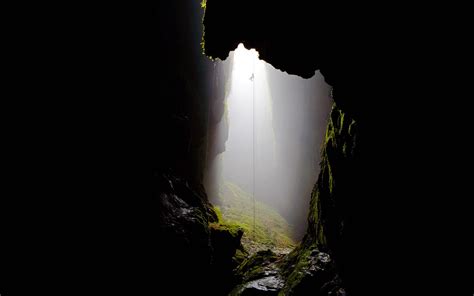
(240, 256)
(253, 267)
(225, 240)
(305, 271)
(234, 230)
(259, 275)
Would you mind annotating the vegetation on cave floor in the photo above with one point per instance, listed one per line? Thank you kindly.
(271, 231)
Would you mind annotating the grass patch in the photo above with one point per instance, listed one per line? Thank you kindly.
(271, 229)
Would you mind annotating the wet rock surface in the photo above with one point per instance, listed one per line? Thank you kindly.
(308, 270)
(183, 230)
(194, 245)
(259, 275)
(265, 286)
(305, 271)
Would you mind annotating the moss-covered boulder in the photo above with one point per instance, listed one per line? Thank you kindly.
(259, 275)
(225, 240)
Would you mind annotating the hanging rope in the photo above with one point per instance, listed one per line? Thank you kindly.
(253, 150)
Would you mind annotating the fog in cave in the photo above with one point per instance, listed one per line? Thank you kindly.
(272, 127)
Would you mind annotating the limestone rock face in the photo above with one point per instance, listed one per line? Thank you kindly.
(194, 246)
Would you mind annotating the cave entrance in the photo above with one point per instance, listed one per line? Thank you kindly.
(265, 154)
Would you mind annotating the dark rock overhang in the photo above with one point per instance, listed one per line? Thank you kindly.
(286, 36)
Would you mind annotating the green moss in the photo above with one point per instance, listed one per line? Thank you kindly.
(315, 228)
(218, 212)
(203, 43)
(240, 257)
(233, 229)
(338, 147)
(330, 179)
(329, 133)
(254, 266)
(301, 260)
(271, 229)
(341, 123)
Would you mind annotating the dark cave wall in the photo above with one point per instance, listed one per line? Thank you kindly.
(186, 91)
(328, 207)
(218, 127)
(191, 257)
(379, 205)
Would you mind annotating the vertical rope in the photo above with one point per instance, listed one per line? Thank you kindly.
(253, 91)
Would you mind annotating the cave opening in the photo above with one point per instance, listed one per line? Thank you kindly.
(264, 152)
(388, 187)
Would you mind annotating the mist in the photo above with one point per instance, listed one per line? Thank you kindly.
(268, 139)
